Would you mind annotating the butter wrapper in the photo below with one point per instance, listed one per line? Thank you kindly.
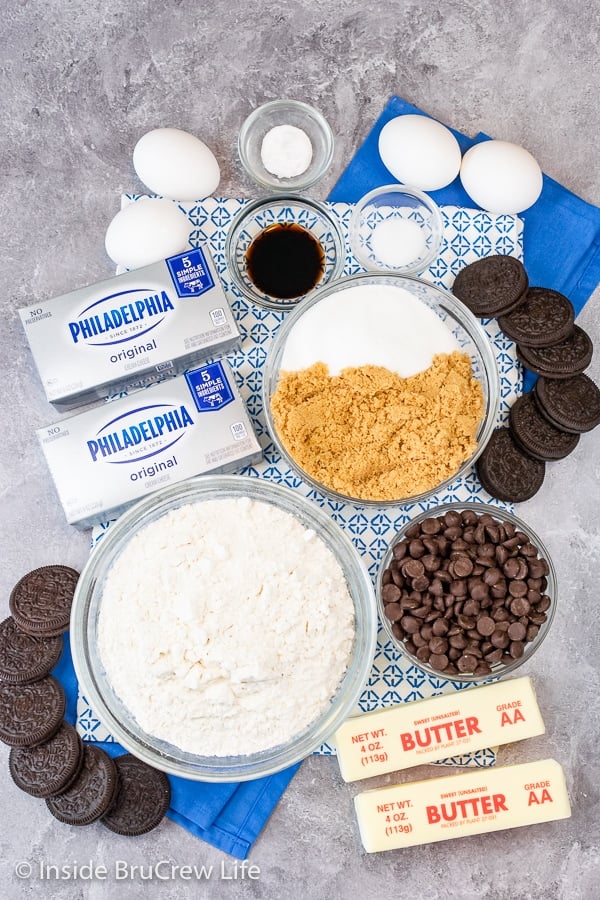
(130, 330)
(105, 458)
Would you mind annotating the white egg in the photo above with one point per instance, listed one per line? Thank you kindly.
(501, 177)
(419, 151)
(176, 164)
(147, 231)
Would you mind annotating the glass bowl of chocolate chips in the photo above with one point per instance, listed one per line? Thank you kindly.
(467, 591)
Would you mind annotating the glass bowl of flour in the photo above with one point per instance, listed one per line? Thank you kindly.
(380, 390)
(223, 628)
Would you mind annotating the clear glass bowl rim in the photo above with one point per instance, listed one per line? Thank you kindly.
(437, 227)
(467, 321)
(94, 684)
(247, 212)
(498, 513)
(299, 182)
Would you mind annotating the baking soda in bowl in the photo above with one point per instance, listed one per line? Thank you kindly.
(243, 627)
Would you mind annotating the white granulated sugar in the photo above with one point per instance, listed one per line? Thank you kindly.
(286, 151)
(226, 626)
(368, 325)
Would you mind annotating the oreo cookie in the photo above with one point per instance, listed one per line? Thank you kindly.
(544, 318)
(570, 357)
(143, 798)
(535, 434)
(50, 768)
(506, 472)
(40, 602)
(92, 793)
(491, 286)
(30, 713)
(23, 657)
(571, 404)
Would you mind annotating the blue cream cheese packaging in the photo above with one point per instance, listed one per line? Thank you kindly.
(128, 331)
(109, 456)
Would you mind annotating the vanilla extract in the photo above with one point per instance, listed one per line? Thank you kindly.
(285, 261)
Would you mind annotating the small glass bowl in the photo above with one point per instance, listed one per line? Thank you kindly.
(287, 209)
(471, 339)
(499, 515)
(116, 717)
(285, 112)
(395, 228)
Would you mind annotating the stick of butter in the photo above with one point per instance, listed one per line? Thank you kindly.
(424, 812)
(414, 733)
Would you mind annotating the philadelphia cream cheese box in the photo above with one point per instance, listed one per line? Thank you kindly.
(131, 329)
(106, 457)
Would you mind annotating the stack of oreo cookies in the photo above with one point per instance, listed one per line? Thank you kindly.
(80, 783)
(546, 423)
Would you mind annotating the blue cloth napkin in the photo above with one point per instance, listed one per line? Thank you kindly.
(228, 816)
(561, 238)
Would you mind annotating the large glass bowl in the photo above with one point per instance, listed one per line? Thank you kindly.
(499, 515)
(471, 338)
(96, 685)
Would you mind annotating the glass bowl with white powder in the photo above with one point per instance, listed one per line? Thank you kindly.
(286, 145)
(396, 228)
(223, 628)
(380, 390)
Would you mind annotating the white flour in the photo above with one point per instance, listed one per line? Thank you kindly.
(226, 627)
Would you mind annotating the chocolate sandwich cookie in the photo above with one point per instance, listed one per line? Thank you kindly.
(51, 767)
(92, 793)
(30, 713)
(571, 404)
(570, 357)
(143, 798)
(40, 602)
(23, 657)
(506, 472)
(544, 318)
(491, 286)
(535, 434)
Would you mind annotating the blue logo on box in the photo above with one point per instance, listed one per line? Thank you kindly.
(190, 273)
(209, 387)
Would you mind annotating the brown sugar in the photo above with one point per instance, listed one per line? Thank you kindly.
(370, 434)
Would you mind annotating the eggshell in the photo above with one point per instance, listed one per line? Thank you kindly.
(419, 151)
(501, 177)
(145, 232)
(176, 164)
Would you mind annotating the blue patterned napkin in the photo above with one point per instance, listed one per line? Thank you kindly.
(467, 234)
(228, 816)
(562, 231)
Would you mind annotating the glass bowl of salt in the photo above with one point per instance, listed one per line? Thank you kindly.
(396, 229)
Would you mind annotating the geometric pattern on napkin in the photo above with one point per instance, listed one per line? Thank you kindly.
(467, 235)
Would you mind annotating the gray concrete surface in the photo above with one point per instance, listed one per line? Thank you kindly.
(79, 83)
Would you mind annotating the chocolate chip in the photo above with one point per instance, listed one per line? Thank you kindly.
(390, 593)
(486, 626)
(467, 663)
(517, 631)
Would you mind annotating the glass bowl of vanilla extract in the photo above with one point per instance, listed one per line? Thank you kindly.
(282, 248)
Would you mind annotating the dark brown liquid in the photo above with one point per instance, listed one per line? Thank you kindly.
(285, 261)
